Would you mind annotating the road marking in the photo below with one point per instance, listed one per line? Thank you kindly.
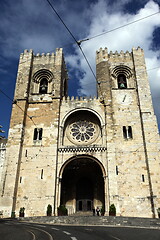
(55, 229)
(50, 237)
(40, 226)
(115, 237)
(34, 237)
(88, 229)
(73, 238)
(67, 233)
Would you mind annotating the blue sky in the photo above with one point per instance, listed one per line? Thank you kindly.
(28, 24)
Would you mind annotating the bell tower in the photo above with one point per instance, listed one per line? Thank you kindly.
(131, 128)
(41, 74)
(42, 82)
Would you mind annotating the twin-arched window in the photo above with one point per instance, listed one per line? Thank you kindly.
(123, 75)
(43, 82)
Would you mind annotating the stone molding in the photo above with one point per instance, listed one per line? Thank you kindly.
(82, 149)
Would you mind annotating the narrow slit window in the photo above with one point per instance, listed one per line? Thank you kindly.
(26, 154)
(116, 170)
(143, 179)
(20, 179)
(130, 132)
(38, 134)
(42, 174)
(125, 132)
(35, 134)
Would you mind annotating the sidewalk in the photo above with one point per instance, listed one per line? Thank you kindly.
(95, 220)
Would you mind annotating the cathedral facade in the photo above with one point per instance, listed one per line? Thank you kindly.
(82, 152)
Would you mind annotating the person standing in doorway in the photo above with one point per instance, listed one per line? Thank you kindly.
(97, 211)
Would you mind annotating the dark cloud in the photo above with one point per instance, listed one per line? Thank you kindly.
(33, 25)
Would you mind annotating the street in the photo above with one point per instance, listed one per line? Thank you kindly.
(15, 230)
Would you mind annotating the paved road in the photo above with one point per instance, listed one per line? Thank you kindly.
(14, 230)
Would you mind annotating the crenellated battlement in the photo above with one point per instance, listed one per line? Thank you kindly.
(79, 99)
(44, 54)
(27, 53)
(81, 150)
(30, 52)
(120, 54)
(138, 49)
(104, 55)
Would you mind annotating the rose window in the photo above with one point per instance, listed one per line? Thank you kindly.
(82, 131)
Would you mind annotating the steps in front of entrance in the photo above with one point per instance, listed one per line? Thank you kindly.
(95, 220)
(81, 213)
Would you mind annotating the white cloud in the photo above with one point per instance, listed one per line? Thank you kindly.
(137, 34)
(33, 25)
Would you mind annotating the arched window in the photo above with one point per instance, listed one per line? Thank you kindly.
(43, 82)
(43, 88)
(127, 132)
(37, 134)
(122, 82)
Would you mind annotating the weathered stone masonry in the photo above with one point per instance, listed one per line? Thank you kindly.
(82, 152)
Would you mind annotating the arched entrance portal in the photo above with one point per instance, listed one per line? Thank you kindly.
(82, 185)
(84, 194)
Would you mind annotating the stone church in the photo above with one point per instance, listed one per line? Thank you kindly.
(83, 153)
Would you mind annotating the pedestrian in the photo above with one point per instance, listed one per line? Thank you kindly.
(97, 211)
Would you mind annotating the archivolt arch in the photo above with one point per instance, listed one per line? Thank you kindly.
(121, 69)
(42, 82)
(41, 74)
(80, 157)
(81, 127)
(79, 110)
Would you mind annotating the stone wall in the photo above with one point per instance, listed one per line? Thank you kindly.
(123, 139)
(133, 163)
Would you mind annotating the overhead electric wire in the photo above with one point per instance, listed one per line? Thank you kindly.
(80, 41)
(88, 62)
(153, 68)
(111, 30)
(61, 20)
(17, 106)
(143, 70)
(127, 24)
(40, 147)
(77, 42)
